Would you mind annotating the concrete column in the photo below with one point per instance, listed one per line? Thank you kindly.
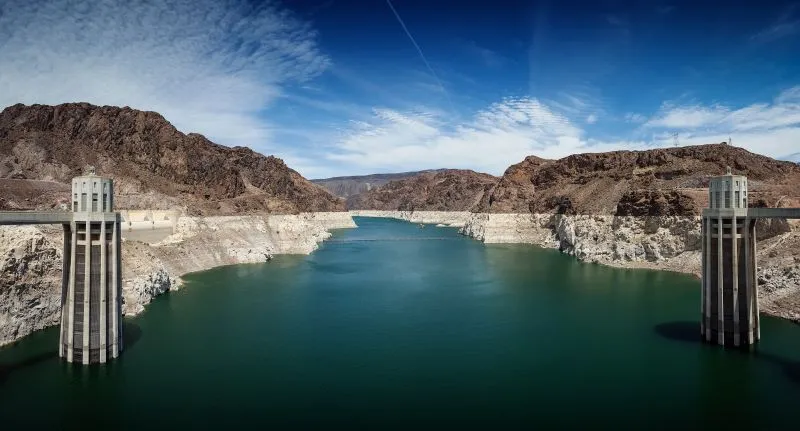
(115, 250)
(749, 275)
(720, 290)
(735, 279)
(756, 318)
(707, 276)
(71, 295)
(86, 291)
(64, 289)
(103, 308)
(703, 297)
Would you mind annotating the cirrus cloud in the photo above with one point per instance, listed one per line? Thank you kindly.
(208, 66)
(507, 131)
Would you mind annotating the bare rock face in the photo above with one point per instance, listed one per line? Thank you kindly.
(154, 165)
(663, 181)
(446, 190)
(30, 281)
(656, 203)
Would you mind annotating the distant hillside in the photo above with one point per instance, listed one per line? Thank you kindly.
(652, 182)
(153, 164)
(348, 186)
(442, 190)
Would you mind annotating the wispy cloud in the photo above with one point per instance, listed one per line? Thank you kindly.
(616, 20)
(632, 117)
(208, 66)
(784, 112)
(768, 128)
(787, 24)
(495, 137)
(487, 56)
(505, 132)
(790, 95)
(688, 117)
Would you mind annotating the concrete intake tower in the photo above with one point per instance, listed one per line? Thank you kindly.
(730, 301)
(91, 293)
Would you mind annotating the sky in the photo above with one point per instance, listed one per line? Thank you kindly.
(338, 87)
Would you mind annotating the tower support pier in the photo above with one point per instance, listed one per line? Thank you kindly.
(91, 299)
(729, 297)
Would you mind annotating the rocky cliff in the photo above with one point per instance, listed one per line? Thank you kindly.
(663, 181)
(154, 166)
(445, 190)
(30, 280)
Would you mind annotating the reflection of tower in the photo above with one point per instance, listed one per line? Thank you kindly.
(91, 325)
(730, 304)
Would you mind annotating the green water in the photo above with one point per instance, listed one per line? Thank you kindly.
(400, 334)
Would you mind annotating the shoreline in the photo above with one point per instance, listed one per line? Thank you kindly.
(33, 254)
(661, 243)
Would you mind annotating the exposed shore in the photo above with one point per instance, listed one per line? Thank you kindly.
(30, 285)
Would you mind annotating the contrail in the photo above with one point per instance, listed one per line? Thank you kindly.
(419, 50)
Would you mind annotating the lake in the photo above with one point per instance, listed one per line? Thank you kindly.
(395, 326)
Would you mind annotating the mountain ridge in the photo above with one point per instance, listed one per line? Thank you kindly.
(153, 164)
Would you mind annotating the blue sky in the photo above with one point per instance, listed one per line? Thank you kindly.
(340, 87)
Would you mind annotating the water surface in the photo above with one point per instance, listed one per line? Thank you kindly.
(434, 332)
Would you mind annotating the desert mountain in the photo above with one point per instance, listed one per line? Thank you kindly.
(153, 164)
(653, 182)
(352, 185)
(442, 190)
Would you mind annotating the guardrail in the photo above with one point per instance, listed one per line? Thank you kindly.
(34, 217)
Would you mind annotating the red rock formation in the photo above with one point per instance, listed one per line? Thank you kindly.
(654, 182)
(154, 165)
(445, 190)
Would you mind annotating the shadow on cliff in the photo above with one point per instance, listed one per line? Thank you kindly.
(132, 333)
(689, 332)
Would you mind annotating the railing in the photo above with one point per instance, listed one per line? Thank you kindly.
(34, 217)
(790, 213)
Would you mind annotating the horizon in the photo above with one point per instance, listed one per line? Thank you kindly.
(355, 88)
